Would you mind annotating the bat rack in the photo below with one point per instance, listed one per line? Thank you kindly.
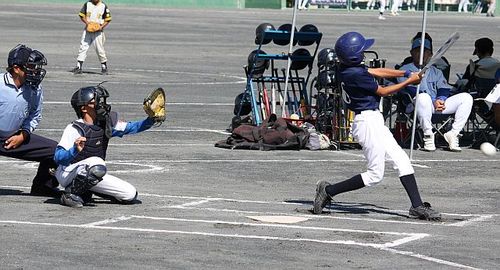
(266, 90)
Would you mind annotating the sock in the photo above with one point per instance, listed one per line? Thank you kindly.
(79, 64)
(410, 185)
(353, 183)
(104, 66)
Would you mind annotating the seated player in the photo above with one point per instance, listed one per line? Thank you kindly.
(479, 76)
(435, 98)
(81, 151)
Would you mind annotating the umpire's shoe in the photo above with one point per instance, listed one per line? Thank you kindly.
(322, 198)
(45, 191)
(425, 212)
(71, 200)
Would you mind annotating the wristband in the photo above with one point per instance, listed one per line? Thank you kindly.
(407, 73)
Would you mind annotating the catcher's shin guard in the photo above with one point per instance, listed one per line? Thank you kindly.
(87, 179)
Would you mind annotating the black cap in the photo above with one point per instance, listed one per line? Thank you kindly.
(19, 55)
(483, 45)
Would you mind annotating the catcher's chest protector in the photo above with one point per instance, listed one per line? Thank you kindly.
(96, 144)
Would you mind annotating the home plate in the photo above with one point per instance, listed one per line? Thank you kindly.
(278, 219)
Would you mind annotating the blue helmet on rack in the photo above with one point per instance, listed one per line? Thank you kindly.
(350, 47)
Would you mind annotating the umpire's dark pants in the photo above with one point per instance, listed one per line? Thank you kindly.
(39, 149)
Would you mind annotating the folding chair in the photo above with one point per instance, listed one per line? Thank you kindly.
(481, 122)
(441, 123)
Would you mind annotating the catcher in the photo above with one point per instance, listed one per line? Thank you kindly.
(96, 16)
(81, 152)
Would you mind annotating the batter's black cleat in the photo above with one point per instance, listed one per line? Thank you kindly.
(71, 200)
(322, 198)
(425, 212)
(104, 71)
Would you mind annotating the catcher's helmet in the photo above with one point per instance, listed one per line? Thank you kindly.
(326, 57)
(326, 79)
(286, 28)
(259, 33)
(350, 47)
(311, 28)
(30, 61)
(85, 95)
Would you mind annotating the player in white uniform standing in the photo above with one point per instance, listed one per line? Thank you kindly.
(81, 151)
(381, 10)
(98, 12)
(362, 93)
(395, 7)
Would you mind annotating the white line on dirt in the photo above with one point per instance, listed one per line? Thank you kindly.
(427, 258)
(418, 235)
(472, 220)
(384, 247)
(107, 221)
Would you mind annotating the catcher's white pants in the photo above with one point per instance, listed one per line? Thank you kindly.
(378, 146)
(110, 185)
(459, 104)
(97, 39)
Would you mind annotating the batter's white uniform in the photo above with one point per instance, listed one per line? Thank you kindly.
(378, 145)
(359, 93)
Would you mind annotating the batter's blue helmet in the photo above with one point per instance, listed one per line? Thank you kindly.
(350, 47)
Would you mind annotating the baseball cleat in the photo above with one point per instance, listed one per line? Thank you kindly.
(425, 212)
(322, 198)
(71, 200)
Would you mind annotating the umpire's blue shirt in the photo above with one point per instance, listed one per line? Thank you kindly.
(20, 108)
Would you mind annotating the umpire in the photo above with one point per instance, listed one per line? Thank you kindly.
(21, 98)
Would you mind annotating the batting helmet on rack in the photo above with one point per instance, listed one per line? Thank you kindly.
(298, 64)
(259, 33)
(286, 28)
(350, 47)
(242, 104)
(311, 28)
(257, 66)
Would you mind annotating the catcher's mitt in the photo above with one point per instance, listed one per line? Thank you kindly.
(93, 27)
(154, 105)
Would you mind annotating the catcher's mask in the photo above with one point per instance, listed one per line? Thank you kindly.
(85, 95)
(30, 61)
